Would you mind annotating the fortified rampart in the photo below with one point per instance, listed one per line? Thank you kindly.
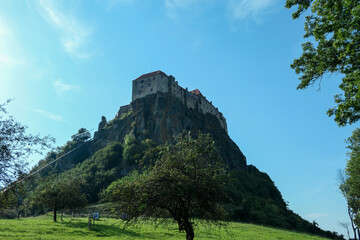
(158, 81)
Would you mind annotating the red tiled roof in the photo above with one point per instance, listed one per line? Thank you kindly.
(152, 74)
(196, 92)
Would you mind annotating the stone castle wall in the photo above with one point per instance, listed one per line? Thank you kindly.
(149, 85)
(159, 82)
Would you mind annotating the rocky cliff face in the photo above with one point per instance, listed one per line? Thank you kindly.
(160, 117)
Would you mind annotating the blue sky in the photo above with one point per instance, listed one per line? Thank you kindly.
(67, 63)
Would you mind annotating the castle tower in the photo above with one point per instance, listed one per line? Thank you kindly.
(150, 83)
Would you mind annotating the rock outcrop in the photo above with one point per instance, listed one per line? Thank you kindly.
(160, 117)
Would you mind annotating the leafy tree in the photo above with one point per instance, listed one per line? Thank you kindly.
(185, 183)
(333, 31)
(344, 187)
(77, 139)
(99, 171)
(15, 146)
(349, 181)
(134, 150)
(13, 199)
(64, 192)
(69, 159)
(82, 135)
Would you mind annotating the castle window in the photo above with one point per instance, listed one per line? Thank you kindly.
(142, 86)
(142, 81)
(151, 89)
(153, 78)
(136, 83)
(149, 84)
(148, 79)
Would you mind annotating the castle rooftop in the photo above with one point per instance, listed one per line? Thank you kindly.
(152, 74)
(196, 92)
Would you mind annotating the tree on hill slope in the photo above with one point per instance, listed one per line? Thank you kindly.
(185, 183)
(64, 192)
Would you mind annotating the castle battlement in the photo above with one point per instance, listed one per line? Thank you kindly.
(158, 81)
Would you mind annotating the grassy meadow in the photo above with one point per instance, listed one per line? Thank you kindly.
(44, 228)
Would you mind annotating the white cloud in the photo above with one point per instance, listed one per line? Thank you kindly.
(74, 34)
(249, 9)
(49, 115)
(61, 87)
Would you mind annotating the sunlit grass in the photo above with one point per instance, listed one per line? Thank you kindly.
(44, 228)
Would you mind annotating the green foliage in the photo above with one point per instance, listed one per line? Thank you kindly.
(134, 149)
(334, 25)
(253, 197)
(116, 120)
(125, 115)
(109, 164)
(82, 135)
(186, 182)
(43, 228)
(350, 182)
(13, 199)
(111, 123)
(78, 155)
(104, 167)
(63, 192)
(15, 146)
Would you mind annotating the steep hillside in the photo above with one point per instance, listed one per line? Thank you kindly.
(155, 119)
(160, 117)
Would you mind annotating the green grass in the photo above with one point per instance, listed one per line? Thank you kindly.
(44, 228)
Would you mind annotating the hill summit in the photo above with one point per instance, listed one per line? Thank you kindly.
(161, 109)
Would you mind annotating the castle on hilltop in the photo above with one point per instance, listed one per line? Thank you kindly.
(158, 81)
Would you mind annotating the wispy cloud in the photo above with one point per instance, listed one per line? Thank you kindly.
(112, 3)
(49, 115)
(61, 87)
(241, 10)
(4, 29)
(174, 6)
(11, 61)
(9, 47)
(74, 34)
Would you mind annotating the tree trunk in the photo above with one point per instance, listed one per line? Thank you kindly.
(189, 230)
(352, 223)
(62, 212)
(190, 235)
(55, 209)
(348, 233)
